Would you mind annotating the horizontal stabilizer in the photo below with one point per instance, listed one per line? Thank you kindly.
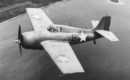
(108, 34)
(95, 23)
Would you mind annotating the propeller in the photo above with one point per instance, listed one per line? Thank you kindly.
(19, 40)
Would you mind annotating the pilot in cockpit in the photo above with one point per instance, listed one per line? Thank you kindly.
(52, 28)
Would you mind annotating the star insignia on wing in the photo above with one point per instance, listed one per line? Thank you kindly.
(82, 37)
(62, 58)
(36, 16)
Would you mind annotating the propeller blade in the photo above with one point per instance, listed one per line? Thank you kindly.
(20, 48)
(19, 32)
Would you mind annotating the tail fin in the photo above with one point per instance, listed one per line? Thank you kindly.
(102, 28)
(104, 23)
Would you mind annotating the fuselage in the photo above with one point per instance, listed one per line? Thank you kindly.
(33, 39)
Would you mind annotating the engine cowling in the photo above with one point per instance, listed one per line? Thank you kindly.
(30, 40)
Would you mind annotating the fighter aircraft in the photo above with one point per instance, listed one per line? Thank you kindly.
(56, 39)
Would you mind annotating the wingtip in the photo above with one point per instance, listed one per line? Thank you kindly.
(116, 40)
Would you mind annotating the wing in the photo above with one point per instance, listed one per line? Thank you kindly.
(39, 19)
(63, 56)
(108, 34)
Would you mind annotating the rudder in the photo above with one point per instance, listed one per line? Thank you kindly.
(104, 23)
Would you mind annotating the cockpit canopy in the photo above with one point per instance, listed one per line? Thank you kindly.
(52, 28)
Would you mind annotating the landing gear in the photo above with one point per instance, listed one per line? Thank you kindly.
(94, 41)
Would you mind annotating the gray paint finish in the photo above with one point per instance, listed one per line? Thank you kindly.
(104, 61)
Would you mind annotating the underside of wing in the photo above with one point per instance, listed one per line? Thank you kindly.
(108, 34)
(39, 19)
(63, 56)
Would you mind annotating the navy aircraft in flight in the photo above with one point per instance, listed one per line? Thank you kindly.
(56, 39)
